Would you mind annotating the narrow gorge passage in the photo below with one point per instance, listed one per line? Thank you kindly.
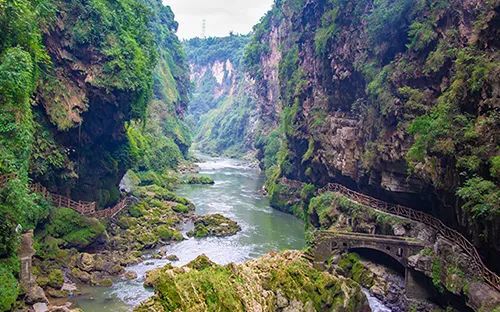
(262, 156)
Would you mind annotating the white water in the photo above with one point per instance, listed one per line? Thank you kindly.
(375, 304)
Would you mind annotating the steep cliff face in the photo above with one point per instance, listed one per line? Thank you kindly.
(223, 102)
(394, 98)
(103, 59)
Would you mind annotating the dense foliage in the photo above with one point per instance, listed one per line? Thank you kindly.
(21, 58)
(208, 50)
(127, 52)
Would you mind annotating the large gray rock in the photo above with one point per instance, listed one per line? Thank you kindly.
(86, 262)
(482, 297)
(40, 307)
(36, 295)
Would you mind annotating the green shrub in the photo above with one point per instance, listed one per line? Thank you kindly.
(9, 287)
(138, 210)
(56, 279)
(495, 167)
(481, 197)
(437, 271)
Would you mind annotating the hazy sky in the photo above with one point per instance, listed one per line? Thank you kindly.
(222, 16)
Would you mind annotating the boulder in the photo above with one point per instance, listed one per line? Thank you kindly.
(80, 275)
(56, 293)
(99, 279)
(130, 275)
(172, 258)
(482, 297)
(36, 295)
(40, 307)
(86, 262)
(281, 300)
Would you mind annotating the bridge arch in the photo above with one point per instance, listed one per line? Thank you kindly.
(380, 257)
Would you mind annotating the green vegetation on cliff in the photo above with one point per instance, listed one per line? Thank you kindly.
(375, 91)
(72, 74)
(223, 102)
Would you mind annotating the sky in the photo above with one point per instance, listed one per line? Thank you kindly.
(222, 16)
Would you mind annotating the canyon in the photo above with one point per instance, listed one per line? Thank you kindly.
(365, 120)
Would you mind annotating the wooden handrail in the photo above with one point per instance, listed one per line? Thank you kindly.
(82, 207)
(448, 233)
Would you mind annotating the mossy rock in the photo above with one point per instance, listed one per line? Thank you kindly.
(352, 267)
(201, 262)
(166, 233)
(180, 208)
(56, 293)
(138, 210)
(214, 225)
(74, 229)
(198, 179)
(56, 279)
(285, 278)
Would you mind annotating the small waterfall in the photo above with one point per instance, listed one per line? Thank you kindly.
(375, 304)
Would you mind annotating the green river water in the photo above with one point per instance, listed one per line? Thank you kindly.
(237, 194)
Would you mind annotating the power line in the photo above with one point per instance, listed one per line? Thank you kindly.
(204, 29)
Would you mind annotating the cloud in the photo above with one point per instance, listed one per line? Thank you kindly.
(221, 16)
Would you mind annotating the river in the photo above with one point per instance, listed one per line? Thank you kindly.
(237, 194)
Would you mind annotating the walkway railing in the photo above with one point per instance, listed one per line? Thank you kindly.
(448, 233)
(111, 212)
(82, 207)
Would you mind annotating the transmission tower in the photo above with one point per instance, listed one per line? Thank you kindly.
(204, 29)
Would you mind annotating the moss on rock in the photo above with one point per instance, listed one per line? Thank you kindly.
(198, 179)
(214, 225)
(273, 282)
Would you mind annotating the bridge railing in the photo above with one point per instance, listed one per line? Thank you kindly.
(448, 233)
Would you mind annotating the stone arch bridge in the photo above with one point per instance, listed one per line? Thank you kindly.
(329, 243)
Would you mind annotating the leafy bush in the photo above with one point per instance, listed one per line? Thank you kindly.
(9, 287)
(56, 279)
(202, 51)
(482, 198)
(326, 31)
(421, 35)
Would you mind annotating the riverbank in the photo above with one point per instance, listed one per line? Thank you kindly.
(236, 194)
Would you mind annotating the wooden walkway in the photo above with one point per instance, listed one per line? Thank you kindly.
(85, 208)
(448, 233)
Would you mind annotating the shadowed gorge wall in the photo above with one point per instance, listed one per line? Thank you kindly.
(394, 98)
(107, 65)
